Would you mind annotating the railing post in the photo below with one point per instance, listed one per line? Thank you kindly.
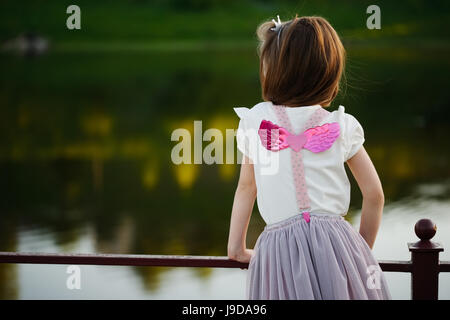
(425, 262)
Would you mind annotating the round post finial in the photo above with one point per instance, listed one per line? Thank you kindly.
(425, 229)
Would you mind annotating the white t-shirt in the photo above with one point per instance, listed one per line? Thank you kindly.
(327, 183)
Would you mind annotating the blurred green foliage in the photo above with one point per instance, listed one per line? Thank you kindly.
(106, 20)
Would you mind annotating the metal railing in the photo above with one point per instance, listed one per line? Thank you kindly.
(424, 265)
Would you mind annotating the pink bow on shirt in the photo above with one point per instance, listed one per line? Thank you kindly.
(317, 139)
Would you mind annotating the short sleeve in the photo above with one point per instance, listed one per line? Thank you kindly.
(243, 138)
(354, 136)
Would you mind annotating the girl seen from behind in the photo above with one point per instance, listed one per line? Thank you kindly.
(294, 155)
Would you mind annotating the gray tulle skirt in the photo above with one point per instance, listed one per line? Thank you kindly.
(321, 259)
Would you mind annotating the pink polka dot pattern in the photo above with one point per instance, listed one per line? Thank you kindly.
(298, 171)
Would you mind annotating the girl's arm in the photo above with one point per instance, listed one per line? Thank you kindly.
(244, 200)
(373, 198)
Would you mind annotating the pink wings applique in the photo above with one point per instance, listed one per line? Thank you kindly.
(273, 137)
(317, 139)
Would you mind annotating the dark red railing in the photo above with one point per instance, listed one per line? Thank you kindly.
(424, 265)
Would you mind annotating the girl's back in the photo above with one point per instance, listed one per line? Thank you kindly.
(325, 176)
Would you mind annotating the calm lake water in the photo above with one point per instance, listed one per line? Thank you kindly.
(85, 162)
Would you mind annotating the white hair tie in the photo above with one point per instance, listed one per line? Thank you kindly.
(278, 24)
(277, 28)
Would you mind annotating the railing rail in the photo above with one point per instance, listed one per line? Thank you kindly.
(424, 264)
(162, 260)
(122, 260)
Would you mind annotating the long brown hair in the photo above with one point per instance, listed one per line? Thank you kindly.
(301, 64)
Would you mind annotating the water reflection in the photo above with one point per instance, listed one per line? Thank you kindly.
(85, 159)
(27, 281)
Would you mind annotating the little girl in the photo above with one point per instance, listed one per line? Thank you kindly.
(293, 163)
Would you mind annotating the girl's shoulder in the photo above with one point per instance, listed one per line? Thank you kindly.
(249, 122)
(250, 118)
(345, 119)
(352, 132)
(339, 113)
(256, 111)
